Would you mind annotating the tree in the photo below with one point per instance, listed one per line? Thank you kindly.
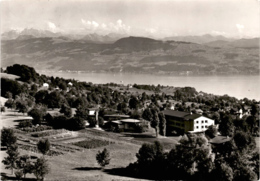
(150, 159)
(212, 131)
(227, 127)
(134, 103)
(223, 172)
(155, 121)
(7, 137)
(18, 174)
(103, 158)
(2, 109)
(66, 110)
(10, 103)
(162, 124)
(25, 72)
(77, 123)
(244, 141)
(37, 114)
(55, 100)
(41, 168)
(254, 109)
(22, 106)
(252, 122)
(41, 97)
(24, 164)
(12, 156)
(82, 112)
(244, 173)
(92, 121)
(8, 85)
(43, 146)
(147, 114)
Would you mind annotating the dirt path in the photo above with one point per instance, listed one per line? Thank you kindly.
(11, 118)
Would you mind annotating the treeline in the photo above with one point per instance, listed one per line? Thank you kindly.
(195, 159)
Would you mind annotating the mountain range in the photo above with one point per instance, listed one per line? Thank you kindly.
(115, 53)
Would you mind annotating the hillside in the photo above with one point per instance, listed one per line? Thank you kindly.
(133, 54)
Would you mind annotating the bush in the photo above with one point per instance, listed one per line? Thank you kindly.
(140, 128)
(103, 158)
(44, 146)
(92, 122)
(100, 121)
(25, 123)
(47, 133)
(18, 174)
(36, 129)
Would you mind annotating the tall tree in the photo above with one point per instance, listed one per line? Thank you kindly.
(7, 137)
(227, 127)
(155, 121)
(162, 124)
(24, 164)
(41, 168)
(251, 122)
(134, 103)
(147, 114)
(12, 156)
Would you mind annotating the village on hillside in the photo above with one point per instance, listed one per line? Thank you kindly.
(51, 126)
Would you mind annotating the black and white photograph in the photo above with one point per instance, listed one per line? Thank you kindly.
(130, 90)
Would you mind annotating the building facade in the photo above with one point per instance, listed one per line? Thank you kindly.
(182, 122)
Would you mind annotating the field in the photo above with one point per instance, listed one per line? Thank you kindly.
(73, 153)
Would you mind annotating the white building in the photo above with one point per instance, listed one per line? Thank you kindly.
(183, 122)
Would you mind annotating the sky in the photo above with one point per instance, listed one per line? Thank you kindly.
(156, 18)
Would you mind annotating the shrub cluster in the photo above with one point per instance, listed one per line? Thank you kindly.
(93, 143)
(47, 133)
(36, 128)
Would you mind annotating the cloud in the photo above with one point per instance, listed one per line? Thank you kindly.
(216, 33)
(117, 27)
(151, 30)
(240, 28)
(90, 25)
(52, 26)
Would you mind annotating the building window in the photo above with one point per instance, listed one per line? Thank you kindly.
(206, 126)
(197, 122)
(202, 126)
(202, 121)
(197, 127)
(206, 121)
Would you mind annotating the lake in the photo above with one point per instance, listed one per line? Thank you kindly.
(235, 86)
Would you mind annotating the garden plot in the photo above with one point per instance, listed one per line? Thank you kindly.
(92, 143)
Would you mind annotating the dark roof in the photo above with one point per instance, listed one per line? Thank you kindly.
(117, 115)
(220, 139)
(178, 114)
(93, 109)
(193, 116)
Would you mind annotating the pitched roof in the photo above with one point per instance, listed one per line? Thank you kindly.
(130, 121)
(178, 114)
(117, 115)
